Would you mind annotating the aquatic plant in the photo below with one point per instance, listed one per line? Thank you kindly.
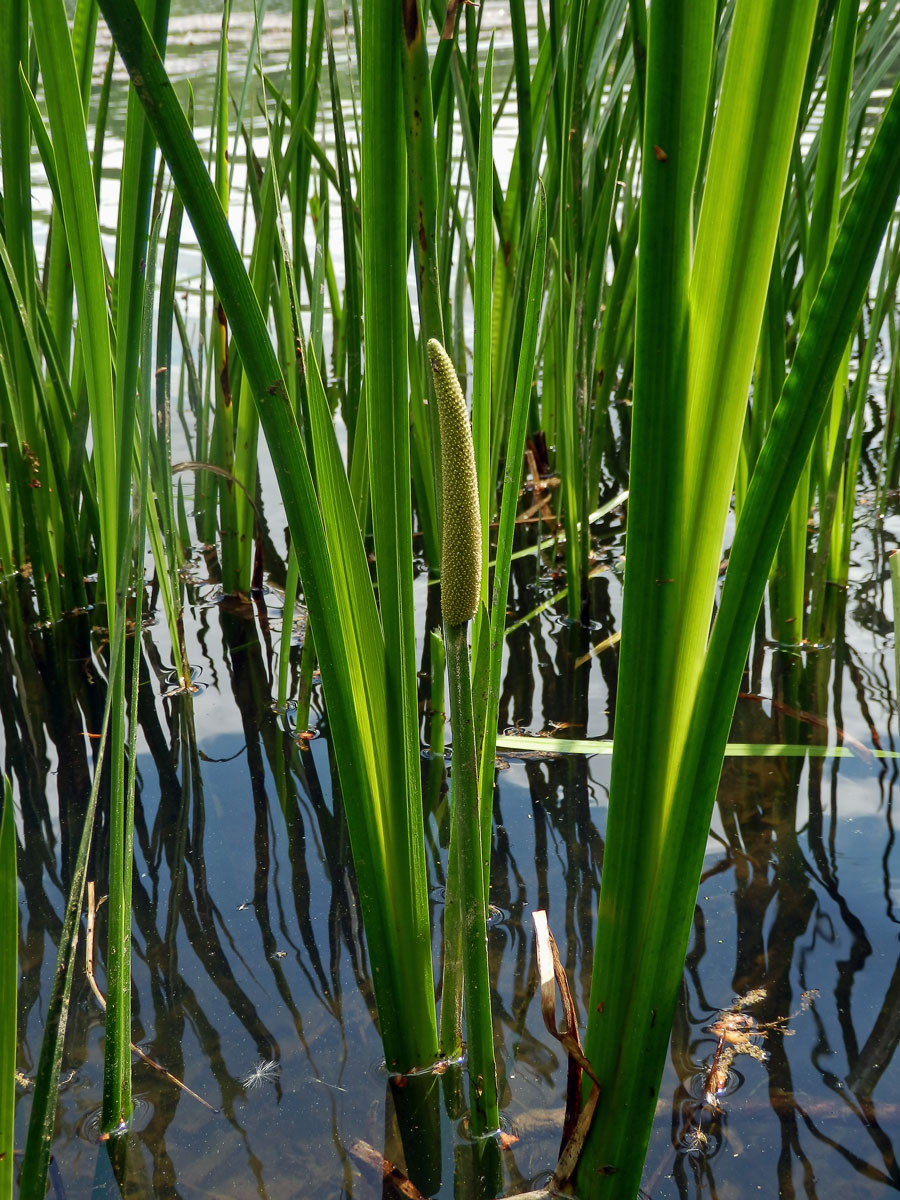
(691, 387)
(460, 596)
(461, 543)
(735, 227)
(365, 652)
(9, 971)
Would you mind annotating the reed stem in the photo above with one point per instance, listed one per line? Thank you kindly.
(470, 880)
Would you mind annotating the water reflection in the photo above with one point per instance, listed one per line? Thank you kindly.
(797, 910)
(248, 949)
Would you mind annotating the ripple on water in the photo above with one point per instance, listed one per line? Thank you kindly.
(733, 1081)
(90, 1129)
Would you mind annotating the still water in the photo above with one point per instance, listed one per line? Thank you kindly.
(250, 974)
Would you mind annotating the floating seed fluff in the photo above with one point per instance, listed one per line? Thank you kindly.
(461, 552)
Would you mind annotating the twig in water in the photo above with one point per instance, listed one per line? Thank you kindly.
(101, 999)
(738, 1033)
(395, 1183)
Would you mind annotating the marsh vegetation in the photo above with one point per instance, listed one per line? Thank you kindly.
(659, 247)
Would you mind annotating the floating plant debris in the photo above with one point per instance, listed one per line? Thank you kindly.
(265, 1070)
(738, 1033)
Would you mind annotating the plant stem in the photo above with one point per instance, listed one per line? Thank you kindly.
(9, 935)
(470, 879)
(894, 561)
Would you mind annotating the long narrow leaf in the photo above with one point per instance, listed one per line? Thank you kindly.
(9, 970)
(487, 678)
(407, 1043)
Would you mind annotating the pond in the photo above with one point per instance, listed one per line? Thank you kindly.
(250, 975)
(251, 982)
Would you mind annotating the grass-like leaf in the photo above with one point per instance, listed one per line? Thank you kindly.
(9, 970)
(403, 980)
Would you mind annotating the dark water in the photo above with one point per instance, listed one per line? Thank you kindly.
(248, 949)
